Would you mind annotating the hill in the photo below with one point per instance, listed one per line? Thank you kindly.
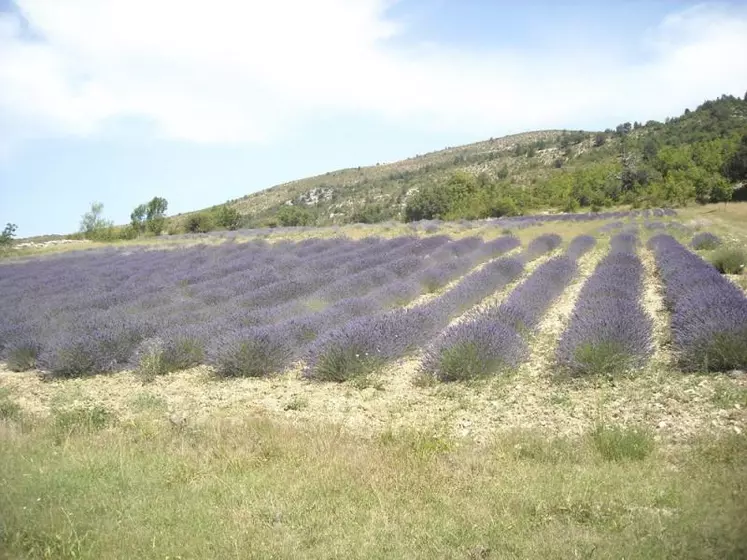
(693, 157)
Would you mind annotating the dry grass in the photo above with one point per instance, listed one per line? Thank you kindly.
(75, 486)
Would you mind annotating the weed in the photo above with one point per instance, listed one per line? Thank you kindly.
(9, 409)
(727, 395)
(730, 260)
(617, 443)
(296, 403)
(83, 419)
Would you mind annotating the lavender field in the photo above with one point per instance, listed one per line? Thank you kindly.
(451, 388)
(342, 308)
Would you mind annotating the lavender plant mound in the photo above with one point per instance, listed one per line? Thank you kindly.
(708, 313)
(705, 241)
(580, 245)
(253, 352)
(473, 349)
(542, 244)
(492, 340)
(609, 332)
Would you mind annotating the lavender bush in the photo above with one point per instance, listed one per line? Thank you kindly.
(705, 241)
(609, 332)
(708, 313)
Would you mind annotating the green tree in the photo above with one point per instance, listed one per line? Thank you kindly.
(93, 225)
(735, 168)
(428, 203)
(155, 215)
(137, 218)
(6, 237)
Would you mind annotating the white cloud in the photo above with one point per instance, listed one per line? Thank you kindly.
(243, 71)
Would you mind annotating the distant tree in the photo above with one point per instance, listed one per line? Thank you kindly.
(228, 217)
(6, 237)
(427, 204)
(92, 224)
(735, 168)
(137, 218)
(623, 129)
(599, 139)
(155, 215)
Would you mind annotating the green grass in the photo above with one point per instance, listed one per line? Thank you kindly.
(257, 489)
(616, 443)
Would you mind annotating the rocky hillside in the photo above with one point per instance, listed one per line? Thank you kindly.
(637, 164)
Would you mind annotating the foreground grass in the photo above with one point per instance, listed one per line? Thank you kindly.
(80, 484)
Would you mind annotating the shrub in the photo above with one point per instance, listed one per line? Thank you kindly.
(615, 443)
(228, 217)
(708, 312)
(705, 241)
(542, 244)
(251, 352)
(472, 350)
(609, 332)
(580, 245)
(343, 363)
(23, 357)
(202, 222)
(97, 344)
(730, 260)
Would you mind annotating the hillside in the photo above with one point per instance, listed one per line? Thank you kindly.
(639, 164)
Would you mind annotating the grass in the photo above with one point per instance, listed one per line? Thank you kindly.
(258, 489)
(616, 443)
(603, 358)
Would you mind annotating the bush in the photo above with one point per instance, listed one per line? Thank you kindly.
(479, 350)
(730, 260)
(293, 216)
(23, 357)
(340, 363)
(705, 241)
(228, 217)
(201, 222)
(708, 313)
(251, 352)
(615, 443)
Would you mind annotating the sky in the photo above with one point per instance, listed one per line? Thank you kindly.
(200, 102)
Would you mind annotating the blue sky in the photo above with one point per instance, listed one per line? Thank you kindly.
(121, 100)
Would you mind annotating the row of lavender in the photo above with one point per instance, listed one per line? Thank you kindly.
(609, 331)
(92, 312)
(270, 348)
(362, 345)
(708, 312)
(495, 339)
